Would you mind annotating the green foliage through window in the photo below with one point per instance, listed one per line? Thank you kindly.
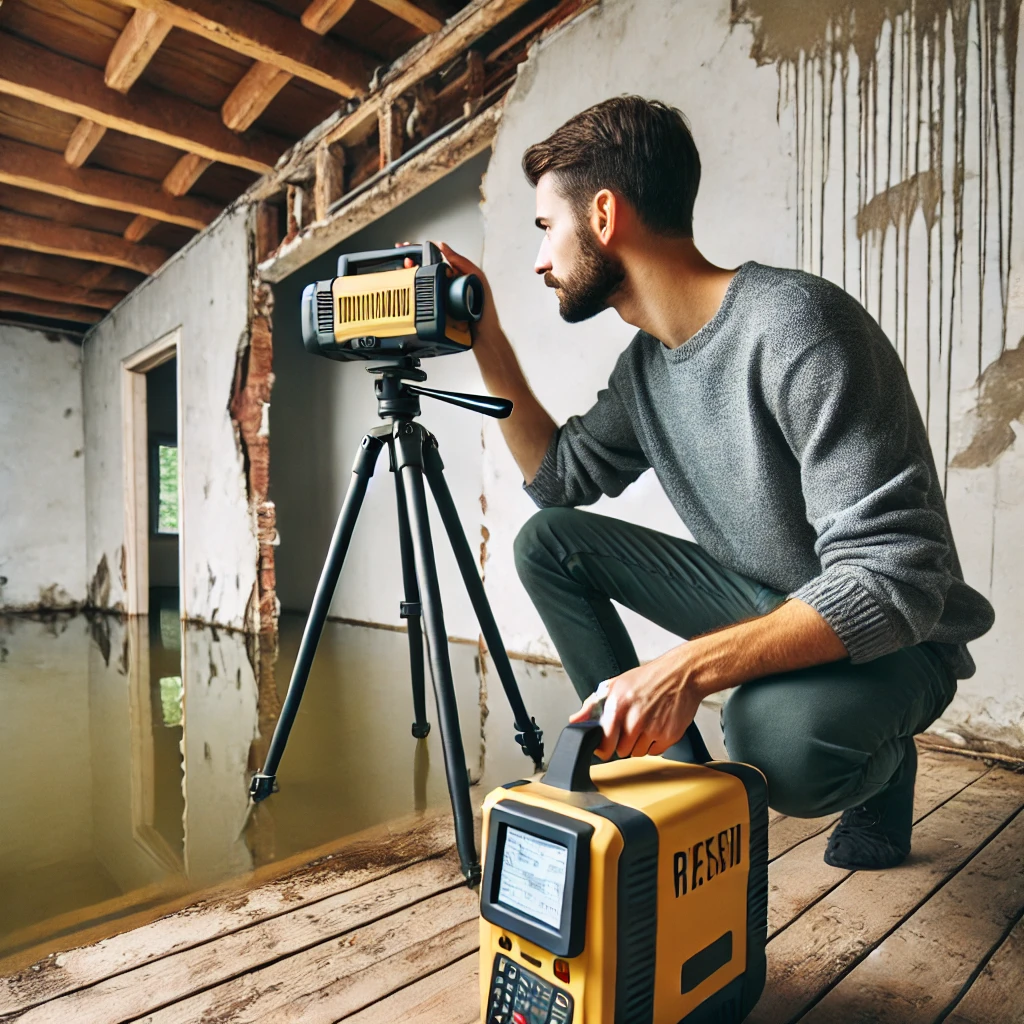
(167, 500)
(171, 692)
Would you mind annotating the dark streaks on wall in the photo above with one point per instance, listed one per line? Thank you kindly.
(932, 84)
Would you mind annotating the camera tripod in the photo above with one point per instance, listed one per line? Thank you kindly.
(413, 454)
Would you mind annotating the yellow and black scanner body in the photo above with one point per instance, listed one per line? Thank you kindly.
(380, 307)
(627, 892)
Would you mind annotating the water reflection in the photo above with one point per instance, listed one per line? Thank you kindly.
(129, 746)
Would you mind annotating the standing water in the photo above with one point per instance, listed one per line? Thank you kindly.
(128, 746)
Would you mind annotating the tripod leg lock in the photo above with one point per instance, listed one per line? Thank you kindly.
(410, 610)
(531, 739)
(262, 786)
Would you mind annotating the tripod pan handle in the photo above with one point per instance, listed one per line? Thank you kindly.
(500, 408)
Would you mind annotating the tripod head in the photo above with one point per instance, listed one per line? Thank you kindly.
(399, 400)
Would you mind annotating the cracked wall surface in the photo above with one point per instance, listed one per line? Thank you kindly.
(42, 471)
(205, 289)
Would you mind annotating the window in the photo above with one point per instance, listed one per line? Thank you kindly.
(163, 497)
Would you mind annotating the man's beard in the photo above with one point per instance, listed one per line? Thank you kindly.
(585, 291)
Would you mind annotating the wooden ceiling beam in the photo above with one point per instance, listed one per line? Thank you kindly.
(180, 178)
(253, 94)
(52, 310)
(44, 288)
(410, 13)
(44, 77)
(134, 49)
(135, 46)
(322, 15)
(264, 35)
(85, 137)
(459, 32)
(39, 235)
(42, 171)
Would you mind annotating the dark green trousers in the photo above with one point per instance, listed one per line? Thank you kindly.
(826, 738)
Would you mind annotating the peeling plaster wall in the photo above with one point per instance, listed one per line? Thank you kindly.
(321, 409)
(869, 142)
(42, 471)
(204, 290)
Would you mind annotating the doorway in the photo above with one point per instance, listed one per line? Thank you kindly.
(153, 512)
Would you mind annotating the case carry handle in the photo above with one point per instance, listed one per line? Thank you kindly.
(569, 768)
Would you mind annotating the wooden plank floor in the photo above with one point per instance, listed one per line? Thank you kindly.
(370, 940)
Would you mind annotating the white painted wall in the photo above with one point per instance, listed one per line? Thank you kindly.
(42, 474)
(743, 116)
(204, 290)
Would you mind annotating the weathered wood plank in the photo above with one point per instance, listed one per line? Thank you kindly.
(40, 307)
(85, 137)
(408, 180)
(264, 35)
(330, 178)
(920, 969)
(134, 49)
(253, 94)
(391, 132)
(339, 999)
(322, 15)
(335, 868)
(788, 832)
(147, 988)
(410, 13)
(139, 228)
(44, 77)
(451, 995)
(437, 49)
(43, 288)
(837, 932)
(800, 877)
(997, 995)
(78, 243)
(460, 31)
(184, 174)
(42, 171)
(331, 966)
(178, 180)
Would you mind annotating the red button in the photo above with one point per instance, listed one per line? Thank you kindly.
(518, 1017)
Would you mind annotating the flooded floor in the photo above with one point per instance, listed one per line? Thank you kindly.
(128, 747)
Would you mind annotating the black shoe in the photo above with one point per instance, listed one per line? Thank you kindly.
(876, 834)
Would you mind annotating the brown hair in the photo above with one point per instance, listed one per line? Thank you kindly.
(641, 149)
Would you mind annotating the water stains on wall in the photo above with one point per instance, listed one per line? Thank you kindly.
(1000, 403)
(902, 113)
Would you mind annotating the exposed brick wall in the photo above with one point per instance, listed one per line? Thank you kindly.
(249, 405)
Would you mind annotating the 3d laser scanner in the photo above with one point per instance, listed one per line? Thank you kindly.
(378, 306)
(627, 892)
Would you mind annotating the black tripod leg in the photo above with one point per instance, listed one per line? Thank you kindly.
(409, 462)
(530, 737)
(262, 784)
(411, 612)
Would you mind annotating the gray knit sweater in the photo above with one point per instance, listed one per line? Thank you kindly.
(786, 436)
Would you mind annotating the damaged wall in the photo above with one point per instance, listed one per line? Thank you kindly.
(870, 142)
(205, 290)
(42, 471)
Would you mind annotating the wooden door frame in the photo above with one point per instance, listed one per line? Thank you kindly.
(136, 476)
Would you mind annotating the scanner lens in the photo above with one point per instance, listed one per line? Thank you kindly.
(466, 298)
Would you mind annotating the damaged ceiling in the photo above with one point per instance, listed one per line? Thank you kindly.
(126, 127)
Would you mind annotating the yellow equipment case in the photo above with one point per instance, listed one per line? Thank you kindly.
(628, 892)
